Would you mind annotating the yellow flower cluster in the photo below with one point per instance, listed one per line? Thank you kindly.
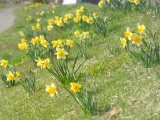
(134, 1)
(58, 21)
(43, 63)
(29, 18)
(67, 17)
(52, 89)
(83, 35)
(31, 6)
(135, 38)
(23, 45)
(12, 76)
(50, 24)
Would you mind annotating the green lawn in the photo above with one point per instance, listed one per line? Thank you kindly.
(121, 80)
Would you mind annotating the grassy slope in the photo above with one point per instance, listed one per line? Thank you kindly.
(121, 80)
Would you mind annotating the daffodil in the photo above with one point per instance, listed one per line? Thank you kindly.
(29, 18)
(108, 1)
(128, 34)
(43, 63)
(136, 2)
(77, 33)
(33, 28)
(46, 63)
(49, 27)
(141, 28)
(77, 18)
(21, 33)
(35, 40)
(82, 9)
(50, 21)
(101, 3)
(44, 43)
(23, 40)
(51, 89)
(65, 20)
(84, 18)
(61, 53)
(90, 20)
(42, 13)
(18, 75)
(85, 35)
(69, 43)
(95, 15)
(131, 1)
(75, 87)
(38, 26)
(123, 42)
(57, 43)
(38, 20)
(23, 46)
(10, 76)
(4, 63)
(136, 39)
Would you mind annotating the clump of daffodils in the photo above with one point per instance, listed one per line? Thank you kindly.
(84, 37)
(133, 37)
(8, 74)
(144, 49)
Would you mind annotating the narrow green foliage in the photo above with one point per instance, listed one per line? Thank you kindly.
(28, 82)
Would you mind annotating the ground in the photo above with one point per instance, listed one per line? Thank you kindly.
(121, 80)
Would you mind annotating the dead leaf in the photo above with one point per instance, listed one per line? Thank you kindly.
(115, 111)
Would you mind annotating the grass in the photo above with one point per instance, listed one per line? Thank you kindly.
(122, 81)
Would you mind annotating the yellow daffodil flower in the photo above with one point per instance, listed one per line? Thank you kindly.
(101, 3)
(23, 40)
(57, 43)
(43, 63)
(95, 15)
(38, 26)
(136, 2)
(35, 40)
(77, 33)
(51, 89)
(23, 46)
(85, 35)
(108, 1)
(21, 33)
(4, 63)
(85, 18)
(131, 1)
(128, 34)
(69, 43)
(90, 20)
(141, 28)
(33, 28)
(61, 53)
(75, 87)
(136, 39)
(123, 42)
(44, 43)
(18, 75)
(10, 76)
